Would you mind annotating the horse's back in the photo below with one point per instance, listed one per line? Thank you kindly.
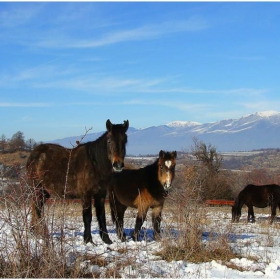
(260, 196)
(46, 153)
(127, 184)
(258, 189)
(274, 188)
(46, 157)
(134, 186)
(57, 166)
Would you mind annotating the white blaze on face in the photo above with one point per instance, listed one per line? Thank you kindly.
(168, 163)
(168, 179)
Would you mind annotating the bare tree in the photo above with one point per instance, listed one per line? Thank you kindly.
(17, 141)
(207, 155)
(3, 142)
(30, 144)
(213, 184)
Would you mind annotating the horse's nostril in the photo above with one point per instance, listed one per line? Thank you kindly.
(118, 166)
(166, 185)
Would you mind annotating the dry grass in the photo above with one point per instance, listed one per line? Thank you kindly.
(15, 158)
(25, 255)
(189, 245)
(48, 258)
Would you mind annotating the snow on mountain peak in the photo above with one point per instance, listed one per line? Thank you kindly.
(182, 124)
(267, 113)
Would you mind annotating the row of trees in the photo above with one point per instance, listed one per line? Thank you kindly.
(17, 142)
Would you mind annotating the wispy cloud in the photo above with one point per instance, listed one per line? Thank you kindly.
(104, 85)
(184, 106)
(147, 32)
(263, 105)
(18, 15)
(18, 104)
(237, 91)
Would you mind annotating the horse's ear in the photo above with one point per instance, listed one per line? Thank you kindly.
(174, 154)
(161, 154)
(126, 125)
(109, 125)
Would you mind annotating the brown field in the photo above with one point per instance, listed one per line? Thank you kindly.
(15, 158)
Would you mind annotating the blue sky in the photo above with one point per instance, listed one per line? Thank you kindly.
(69, 66)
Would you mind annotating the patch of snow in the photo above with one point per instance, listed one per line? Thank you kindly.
(258, 244)
(182, 124)
(261, 128)
(266, 114)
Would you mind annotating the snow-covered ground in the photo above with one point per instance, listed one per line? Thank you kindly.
(257, 245)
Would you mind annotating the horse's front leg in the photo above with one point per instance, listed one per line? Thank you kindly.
(251, 214)
(141, 216)
(117, 213)
(99, 201)
(87, 217)
(156, 219)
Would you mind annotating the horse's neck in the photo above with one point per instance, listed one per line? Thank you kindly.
(238, 202)
(98, 153)
(152, 167)
(152, 170)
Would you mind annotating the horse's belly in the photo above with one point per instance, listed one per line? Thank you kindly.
(260, 204)
(71, 185)
(144, 199)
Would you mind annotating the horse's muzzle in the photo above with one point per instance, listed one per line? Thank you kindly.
(167, 186)
(118, 166)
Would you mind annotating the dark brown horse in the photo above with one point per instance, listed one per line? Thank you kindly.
(78, 172)
(143, 188)
(258, 196)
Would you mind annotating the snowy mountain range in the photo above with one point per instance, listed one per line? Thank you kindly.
(255, 131)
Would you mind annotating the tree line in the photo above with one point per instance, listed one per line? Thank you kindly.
(17, 143)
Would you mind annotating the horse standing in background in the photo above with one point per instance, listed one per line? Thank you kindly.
(78, 172)
(258, 196)
(143, 188)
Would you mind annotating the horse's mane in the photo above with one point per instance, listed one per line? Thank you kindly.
(152, 165)
(96, 150)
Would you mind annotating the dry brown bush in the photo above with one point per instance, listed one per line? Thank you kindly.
(189, 212)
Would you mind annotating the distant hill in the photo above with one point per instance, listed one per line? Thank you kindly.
(256, 131)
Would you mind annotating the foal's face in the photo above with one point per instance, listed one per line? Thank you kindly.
(116, 141)
(166, 168)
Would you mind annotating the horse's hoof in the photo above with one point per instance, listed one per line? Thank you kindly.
(135, 238)
(107, 240)
(157, 237)
(121, 235)
(88, 239)
(122, 238)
